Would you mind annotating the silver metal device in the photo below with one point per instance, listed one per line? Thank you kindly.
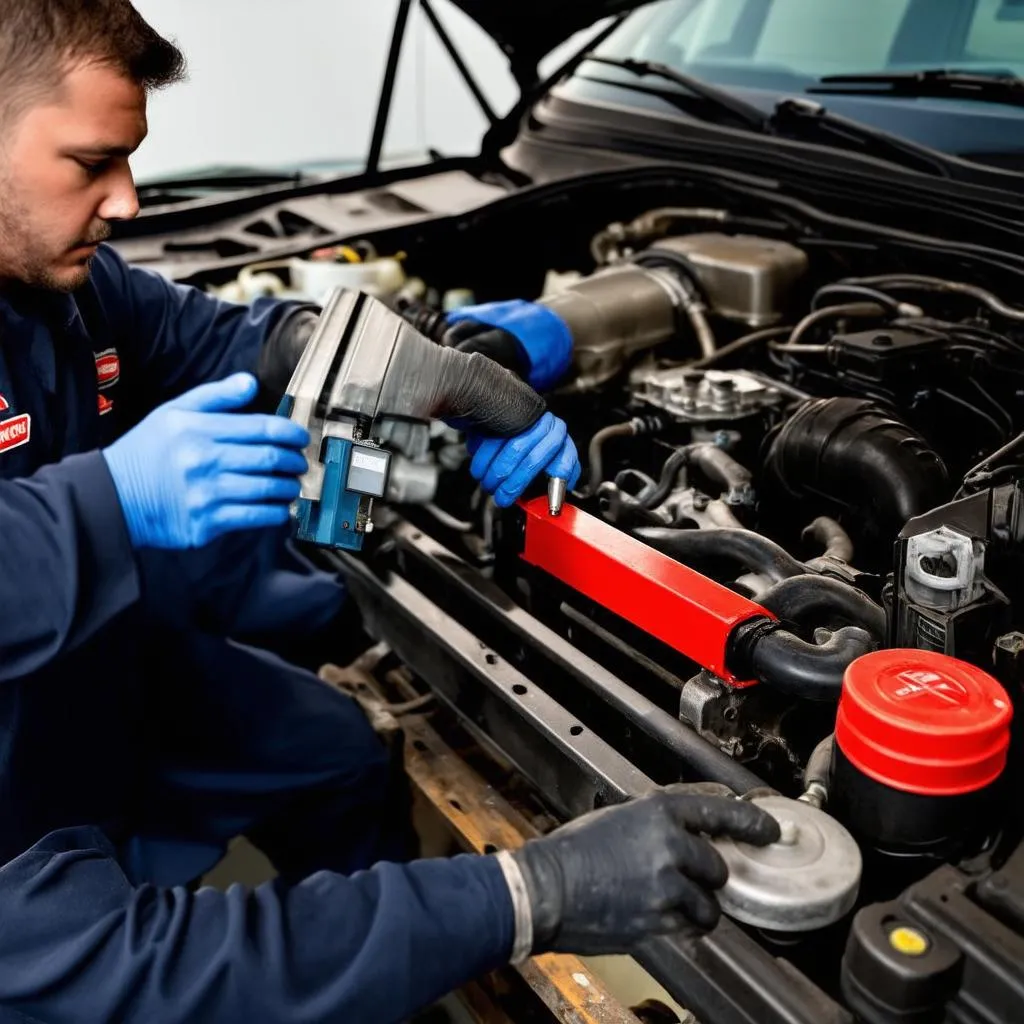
(557, 489)
(699, 396)
(744, 278)
(806, 881)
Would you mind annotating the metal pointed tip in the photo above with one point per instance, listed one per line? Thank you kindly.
(557, 488)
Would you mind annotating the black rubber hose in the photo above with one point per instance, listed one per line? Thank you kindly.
(809, 671)
(625, 511)
(845, 292)
(832, 537)
(674, 464)
(802, 599)
(819, 764)
(750, 550)
(856, 455)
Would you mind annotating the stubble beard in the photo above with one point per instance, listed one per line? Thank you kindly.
(23, 256)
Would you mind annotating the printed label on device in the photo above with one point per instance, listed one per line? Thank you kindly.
(368, 471)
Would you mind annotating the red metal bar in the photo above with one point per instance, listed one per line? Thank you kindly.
(691, 613)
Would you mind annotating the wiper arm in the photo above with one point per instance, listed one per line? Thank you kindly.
(798, 118)
(795, 117)
(936, 82)
(749, 115)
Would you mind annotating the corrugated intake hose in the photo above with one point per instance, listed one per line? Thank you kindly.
(750, 550)
(477, 391)
(855, 454)
(802, 599)
(423, 381)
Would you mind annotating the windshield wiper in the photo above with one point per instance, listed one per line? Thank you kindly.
(214, 178)
(750, 116)
(799, 117)
(796, 118)
(938, 83)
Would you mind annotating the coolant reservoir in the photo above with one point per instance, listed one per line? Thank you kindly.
(316, 279)
(808, 880)
(921, 741)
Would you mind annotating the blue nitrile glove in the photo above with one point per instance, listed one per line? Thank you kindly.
(197, 468)
(505, 467)
(542, 338)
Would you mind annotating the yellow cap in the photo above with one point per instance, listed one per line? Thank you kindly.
(908, 941)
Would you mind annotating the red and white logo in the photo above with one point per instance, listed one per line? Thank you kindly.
(108, 367)
(4, 406)
(918, 683)
(105, 404)
(15, 432)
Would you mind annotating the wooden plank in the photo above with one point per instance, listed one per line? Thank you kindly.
(482, 821)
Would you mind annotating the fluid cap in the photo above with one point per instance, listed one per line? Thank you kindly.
(809, 879)
(922, 722)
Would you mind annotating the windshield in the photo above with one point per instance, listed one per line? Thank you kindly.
(786, 44)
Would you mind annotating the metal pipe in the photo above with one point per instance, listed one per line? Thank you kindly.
(941, 285)
(852, 309)
(647, 226)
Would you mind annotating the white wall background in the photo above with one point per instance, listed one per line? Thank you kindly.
(284, 81)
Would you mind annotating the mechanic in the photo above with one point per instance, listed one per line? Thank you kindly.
(144, 512)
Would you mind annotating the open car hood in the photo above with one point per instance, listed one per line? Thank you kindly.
(528, 30)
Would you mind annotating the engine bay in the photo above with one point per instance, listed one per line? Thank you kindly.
(795, 545)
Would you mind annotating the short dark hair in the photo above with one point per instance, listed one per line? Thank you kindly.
(40, 39)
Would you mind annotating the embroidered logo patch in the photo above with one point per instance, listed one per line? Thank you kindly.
(108, 367)
(105, 404)
(15, 432)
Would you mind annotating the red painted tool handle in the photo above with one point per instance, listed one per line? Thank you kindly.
(694, 615)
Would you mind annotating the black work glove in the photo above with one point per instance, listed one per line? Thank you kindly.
(281, 352)
(493, 342)
(612, 878)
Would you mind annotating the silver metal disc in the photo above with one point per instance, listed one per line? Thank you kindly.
(807, 880)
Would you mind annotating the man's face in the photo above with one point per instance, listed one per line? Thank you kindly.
(64, 176)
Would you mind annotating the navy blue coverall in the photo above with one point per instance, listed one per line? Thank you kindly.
(138, 735)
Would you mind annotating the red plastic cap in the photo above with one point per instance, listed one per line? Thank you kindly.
(922, 722)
